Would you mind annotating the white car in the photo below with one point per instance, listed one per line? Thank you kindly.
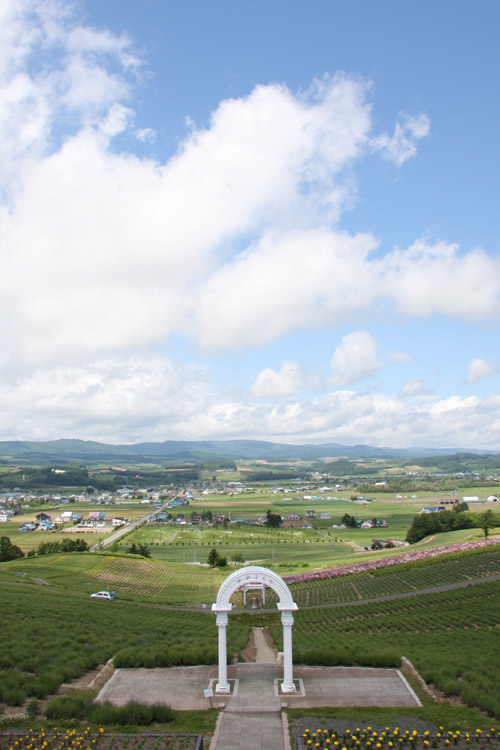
(110, 595)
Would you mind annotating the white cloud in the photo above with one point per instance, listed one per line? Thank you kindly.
(414, 388)
(355, 359)
(235, 241)
(115, 399)
(479, 369)
(400, 357)
(111, 250)
(286, 281)
(146, 397)
(401, 146)
(435, 278)
(290, 379)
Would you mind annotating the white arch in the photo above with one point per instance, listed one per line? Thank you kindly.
(255, 575)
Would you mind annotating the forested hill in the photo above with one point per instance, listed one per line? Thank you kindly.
(39, 453)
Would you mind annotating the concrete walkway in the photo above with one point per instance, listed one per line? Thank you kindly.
(252, 718)
(255, 687)
(252, 713)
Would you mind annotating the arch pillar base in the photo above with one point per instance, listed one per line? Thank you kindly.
(222, 685)
(288, 685)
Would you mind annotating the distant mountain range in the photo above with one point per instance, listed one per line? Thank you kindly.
(57, 451)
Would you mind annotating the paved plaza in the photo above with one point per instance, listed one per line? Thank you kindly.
(257, 687)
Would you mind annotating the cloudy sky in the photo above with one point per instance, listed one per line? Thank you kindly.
(269, 220)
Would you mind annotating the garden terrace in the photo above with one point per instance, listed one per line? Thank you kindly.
(55, 635)
(450, 637)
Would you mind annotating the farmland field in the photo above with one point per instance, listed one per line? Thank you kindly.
(131, 577)
(55, 635)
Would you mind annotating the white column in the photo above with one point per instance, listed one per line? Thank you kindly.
(287, 685)
(222, 685)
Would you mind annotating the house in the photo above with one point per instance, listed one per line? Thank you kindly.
(43, 517)
(310, 514)
(325, 516)
(293, 517)
(44, 525)
(367, 525)
(433, 509)
(118, 522)
(5, 516)
(180, 518)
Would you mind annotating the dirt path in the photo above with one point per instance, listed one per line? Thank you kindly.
(261, 647)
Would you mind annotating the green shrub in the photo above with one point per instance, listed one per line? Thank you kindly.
(14, 697)
(132, 713)
(149, 658)
(71, 705)
(32, 708)
(336, 657)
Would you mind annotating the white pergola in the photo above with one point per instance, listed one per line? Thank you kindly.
(246, 577)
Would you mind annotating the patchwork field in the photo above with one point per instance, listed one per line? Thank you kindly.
(54, 635)
(131, 577)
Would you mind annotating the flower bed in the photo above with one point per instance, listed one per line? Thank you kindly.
(393, 739)
(388, 561)
(85, 740)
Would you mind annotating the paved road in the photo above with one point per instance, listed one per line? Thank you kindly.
(125, 529)
(388, 597)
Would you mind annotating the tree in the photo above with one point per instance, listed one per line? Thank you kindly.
(460, 507)
(349, 521)
(213, 558)
(9, 551)
(486, 521)
(144, 550)
(273, 520)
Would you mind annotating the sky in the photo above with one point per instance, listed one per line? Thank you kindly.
(267, 220)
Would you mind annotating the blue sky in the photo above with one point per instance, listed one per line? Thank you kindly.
(250, 220)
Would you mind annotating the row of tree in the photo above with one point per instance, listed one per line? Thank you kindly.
(9, 551)
(65, 545)
(425, 524)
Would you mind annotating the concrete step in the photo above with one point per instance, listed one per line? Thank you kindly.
(253, 710)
